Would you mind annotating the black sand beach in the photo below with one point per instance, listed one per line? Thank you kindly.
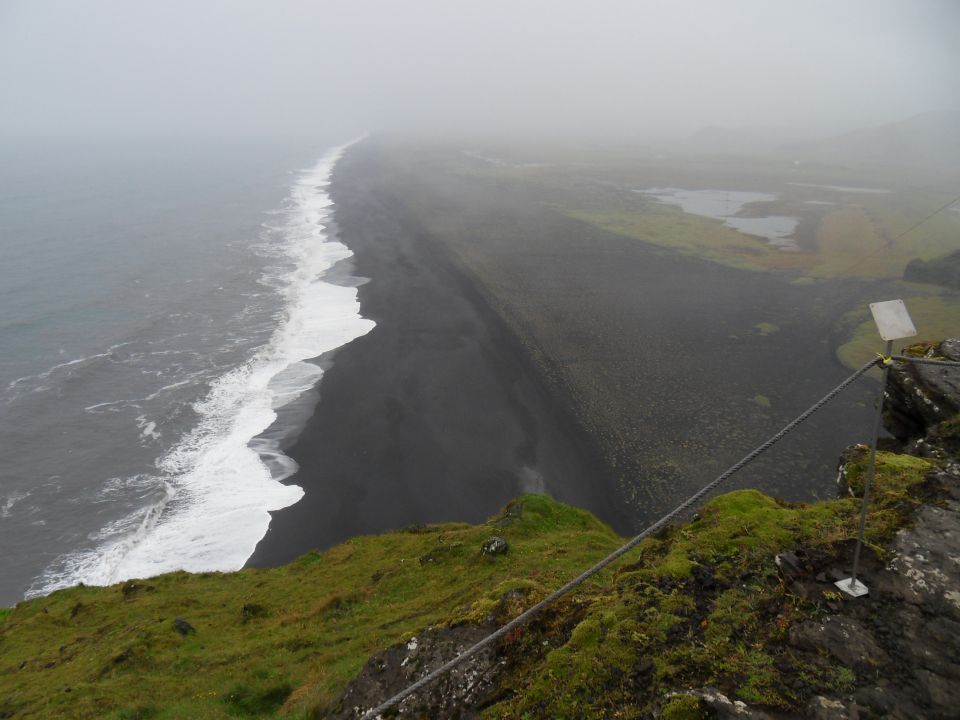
(437, 414)
(518, 349)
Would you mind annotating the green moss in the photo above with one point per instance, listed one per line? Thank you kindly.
(920, 349)
(142, 712)
(704, 603)
(766, 328)
(683, 707)
(898, 472)
(283, 639)
(850, 240)
(243, 700)
(671, 228)
(699, 605)
(947, 434)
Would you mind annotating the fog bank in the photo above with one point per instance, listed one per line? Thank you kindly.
(227, 67)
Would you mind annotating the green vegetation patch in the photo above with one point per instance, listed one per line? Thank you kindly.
(684, 707)
(870, 236)
(279, 642)
(703, 605)
(672, 228)
(935, 314)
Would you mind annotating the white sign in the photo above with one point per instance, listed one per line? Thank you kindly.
(892, 319)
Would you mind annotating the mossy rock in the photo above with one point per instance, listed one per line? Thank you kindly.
(684, 707)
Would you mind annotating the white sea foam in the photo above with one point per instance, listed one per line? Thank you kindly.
(10, 500)
(118, 405)
(37, 382)
(220, 481)
(148, 429)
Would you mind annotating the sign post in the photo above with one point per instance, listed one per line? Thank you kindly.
(894, 323)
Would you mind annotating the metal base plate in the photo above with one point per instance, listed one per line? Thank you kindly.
(853, 588)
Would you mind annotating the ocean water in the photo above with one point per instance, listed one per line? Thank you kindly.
(160, 305)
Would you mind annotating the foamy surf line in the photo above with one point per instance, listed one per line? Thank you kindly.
(212, 496)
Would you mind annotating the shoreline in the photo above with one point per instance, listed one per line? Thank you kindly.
(438, 414)
(518, 349)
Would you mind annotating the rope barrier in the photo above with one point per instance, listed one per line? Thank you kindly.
(926, 361)
(373, 713)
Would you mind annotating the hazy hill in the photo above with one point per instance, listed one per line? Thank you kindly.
(940, 271)
(743, 140)
(930, 140)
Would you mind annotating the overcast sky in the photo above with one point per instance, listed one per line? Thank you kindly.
(241, 67)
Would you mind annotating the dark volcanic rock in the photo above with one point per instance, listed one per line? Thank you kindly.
(906, 632)
(791, 566)
(943, 271)
(822, 708)
(461, 693)
(843, 638)
(920, 397)
(903, 639)
(183, 627)
(926, 571)
(495, 545)
(950, 349)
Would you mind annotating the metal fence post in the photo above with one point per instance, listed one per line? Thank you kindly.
(893, 323)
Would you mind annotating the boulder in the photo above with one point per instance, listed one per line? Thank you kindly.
(920, 397)
(495, 545)
(183, 627)
(842, 637)
(460, 693)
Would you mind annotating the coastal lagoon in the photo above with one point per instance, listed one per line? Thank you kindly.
(726, 205)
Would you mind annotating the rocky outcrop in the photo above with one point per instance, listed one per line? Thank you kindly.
(906, 633)
(920, 397)
(458, 694)
(903, 639)
(894, 653)
(941, 271)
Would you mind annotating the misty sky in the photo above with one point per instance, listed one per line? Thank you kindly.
(109, 67)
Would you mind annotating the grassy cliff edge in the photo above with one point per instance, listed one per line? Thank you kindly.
(703, 604)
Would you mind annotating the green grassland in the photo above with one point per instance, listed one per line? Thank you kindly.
(670, 227)
(284, 642)
(703, 606)
(274, 641)
(935, 313)
(857, 237)
(699, 605)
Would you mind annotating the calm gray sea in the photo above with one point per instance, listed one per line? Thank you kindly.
(158, 303)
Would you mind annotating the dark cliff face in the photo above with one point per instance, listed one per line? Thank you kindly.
(922, 401)
(942, 271)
